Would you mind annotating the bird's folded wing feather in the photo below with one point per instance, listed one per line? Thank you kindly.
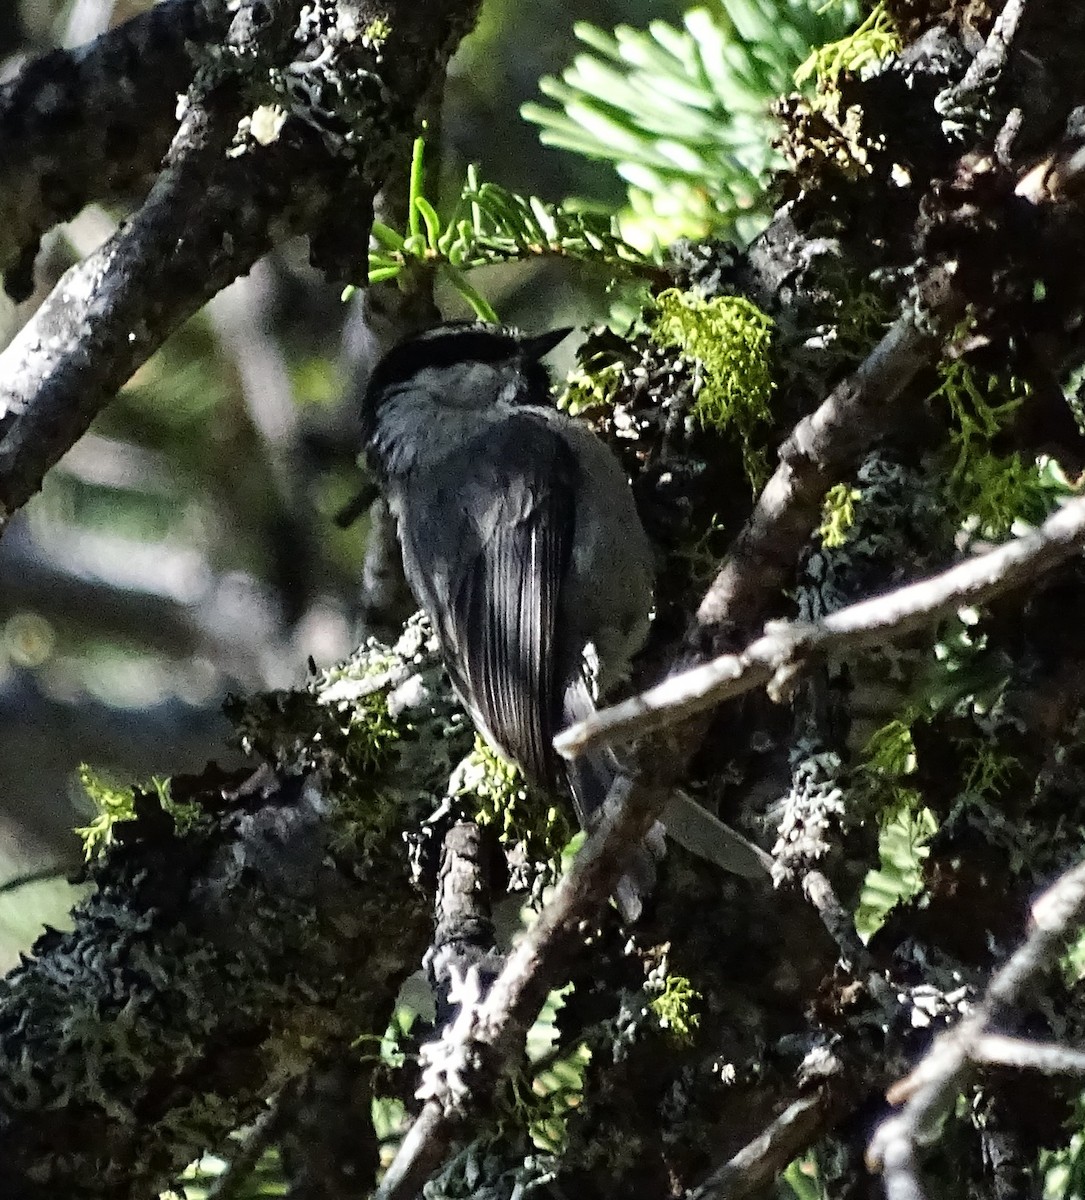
(493, 532)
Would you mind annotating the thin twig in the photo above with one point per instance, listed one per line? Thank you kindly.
(780, 651)
(39, 875)
(840, 924)
(1048, 1058)
(760, 1161)
(249, 1152)
(929, 1092)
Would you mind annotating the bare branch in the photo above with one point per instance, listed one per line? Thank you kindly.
(230, 1184)
(210, 215)
(531, 971)
(761, 1160)
(781, 650)
(109, 312)
(928, 1093)
(1049, 1058)
(92, 123)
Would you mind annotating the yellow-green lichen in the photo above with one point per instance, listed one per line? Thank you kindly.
(520, 815)
(595, 388)
(117, 802)
(838, 514)
(875, 39)
(731, 339)
(675, 1007)
(376, 32)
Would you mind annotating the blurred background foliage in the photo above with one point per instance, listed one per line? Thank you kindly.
(187, 547)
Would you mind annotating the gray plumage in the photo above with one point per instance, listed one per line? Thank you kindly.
(521, 542)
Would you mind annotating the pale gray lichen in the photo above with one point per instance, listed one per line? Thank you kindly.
(810, 812)
(209, 965)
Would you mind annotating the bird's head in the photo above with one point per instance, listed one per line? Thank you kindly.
(462, 364)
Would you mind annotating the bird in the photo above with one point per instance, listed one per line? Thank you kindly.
(522, 543)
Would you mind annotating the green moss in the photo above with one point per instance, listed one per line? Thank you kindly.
(342, 717)
(997, 490)
(991, 488)
(988, 767)
(992, 491)
(731, 339)
(979, 403)
(890, 750)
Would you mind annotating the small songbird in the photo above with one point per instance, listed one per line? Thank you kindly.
(522, 544)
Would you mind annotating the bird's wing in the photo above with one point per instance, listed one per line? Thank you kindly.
(488, 543)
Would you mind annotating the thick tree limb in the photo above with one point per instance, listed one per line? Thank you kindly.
(209, 216)
(229, 942)
(199, 969)
(785, 645)
(93, 123)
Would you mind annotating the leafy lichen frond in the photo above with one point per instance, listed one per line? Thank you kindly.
(117, 802)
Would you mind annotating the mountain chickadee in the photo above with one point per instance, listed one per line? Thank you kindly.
(522, 544)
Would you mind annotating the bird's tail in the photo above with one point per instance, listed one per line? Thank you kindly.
(590, 778)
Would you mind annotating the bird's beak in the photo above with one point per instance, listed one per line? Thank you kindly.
(536, 347)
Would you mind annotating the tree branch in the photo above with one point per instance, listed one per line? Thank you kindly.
(462, 1081)
(197, 969)
(775, 656)
(92, 123)
(232, 937)
(821, 448)
(760, 1161)
(216, 207)
(929, 1092)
